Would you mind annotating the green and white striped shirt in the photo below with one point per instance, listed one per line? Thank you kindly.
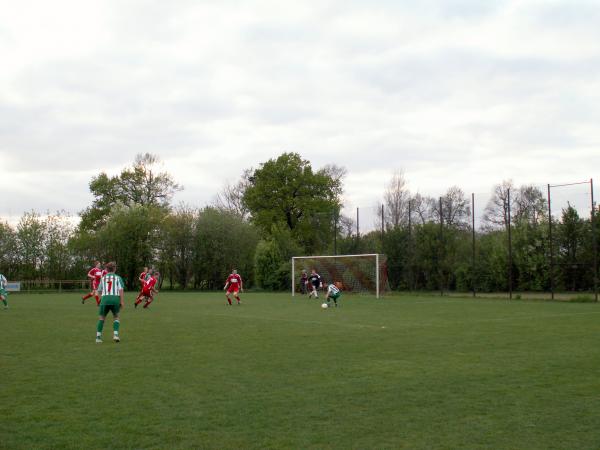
(3, 281)
(332, 289)
(111, 284)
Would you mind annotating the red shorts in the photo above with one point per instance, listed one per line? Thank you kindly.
(146, 293)
(233, 290)
(95, 284)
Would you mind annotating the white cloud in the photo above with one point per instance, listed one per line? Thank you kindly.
(457, 92)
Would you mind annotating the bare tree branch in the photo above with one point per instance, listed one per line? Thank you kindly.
(496, 211)
(231, 196)
(396, 198)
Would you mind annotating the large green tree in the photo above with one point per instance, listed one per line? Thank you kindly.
(221, 242)
(272, 259)
(9, 261)
(142, 184)
(570, 241)
(286, 191)
(58, 231)
(130, 237)
(31, 234)
(177, 238)
(529, 253)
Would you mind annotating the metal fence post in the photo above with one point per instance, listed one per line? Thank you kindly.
(594, 240)
(440, 250)
(357, 226)
(509, 249)
(473, 243)
(411, 284)
(550, 244)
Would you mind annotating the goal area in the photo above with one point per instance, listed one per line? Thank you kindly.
(366, 273)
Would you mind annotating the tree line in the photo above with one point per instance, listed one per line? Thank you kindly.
(431, 244)
(286, 208)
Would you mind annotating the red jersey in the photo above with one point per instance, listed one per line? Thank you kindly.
(234, 282)
(142, 277)
(95, 274)
(150, 283)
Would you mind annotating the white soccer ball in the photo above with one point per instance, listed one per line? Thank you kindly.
(324, 306)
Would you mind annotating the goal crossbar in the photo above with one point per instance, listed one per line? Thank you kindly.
(334, 256)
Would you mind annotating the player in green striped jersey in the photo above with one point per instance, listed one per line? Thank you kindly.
(3, 291)
(333, 293)
(111, 288)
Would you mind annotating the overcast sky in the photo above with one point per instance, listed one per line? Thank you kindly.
(455, 92)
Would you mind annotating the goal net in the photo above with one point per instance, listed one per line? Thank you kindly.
(356, 273)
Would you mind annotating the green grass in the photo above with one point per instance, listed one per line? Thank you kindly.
(403, 372)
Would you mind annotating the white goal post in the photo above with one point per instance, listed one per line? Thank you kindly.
(356, 273)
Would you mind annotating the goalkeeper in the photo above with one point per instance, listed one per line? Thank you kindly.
(315, 280)
(333, 293)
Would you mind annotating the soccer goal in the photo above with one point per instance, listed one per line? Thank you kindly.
(357, 273)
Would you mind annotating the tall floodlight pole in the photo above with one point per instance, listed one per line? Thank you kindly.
(440, 250)
(409, 217)
(550, 244)
(509, 250)
(410, 246)
(473, 242)
(594, 240)
(357, 226)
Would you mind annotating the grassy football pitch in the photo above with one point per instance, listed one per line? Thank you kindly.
(402, 372)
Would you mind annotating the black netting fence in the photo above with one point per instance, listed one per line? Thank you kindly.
(514, 240)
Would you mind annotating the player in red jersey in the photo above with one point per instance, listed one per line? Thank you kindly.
(233, 285)
(95, 275)
(144, 276)
(148, 290)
